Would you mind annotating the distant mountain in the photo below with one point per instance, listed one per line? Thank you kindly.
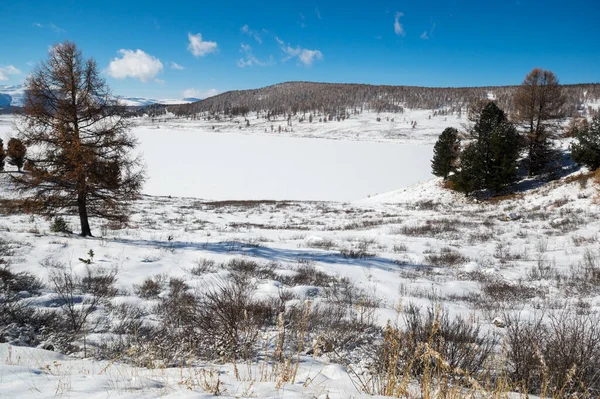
(12, 96)
(143, 102)
(337, 98)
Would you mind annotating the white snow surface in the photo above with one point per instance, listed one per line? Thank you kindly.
(333, 161)
(222, 166)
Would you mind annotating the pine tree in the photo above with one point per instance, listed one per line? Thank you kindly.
(445, 153)
(16, 152)
(586, 149)
(468, 178)
(80, 142)
(490, 162)
(2, 155)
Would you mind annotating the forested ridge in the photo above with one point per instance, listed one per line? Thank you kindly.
(338, 98)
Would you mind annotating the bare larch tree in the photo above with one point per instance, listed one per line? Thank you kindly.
(539, 103)
(80, 155)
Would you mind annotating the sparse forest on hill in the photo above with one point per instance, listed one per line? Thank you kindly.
(337, 98)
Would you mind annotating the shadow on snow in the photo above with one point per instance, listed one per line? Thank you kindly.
(272, 254)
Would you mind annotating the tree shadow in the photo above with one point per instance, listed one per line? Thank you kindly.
(563, 166)
(272, 254)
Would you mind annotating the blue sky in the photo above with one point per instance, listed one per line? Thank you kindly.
(164, 49)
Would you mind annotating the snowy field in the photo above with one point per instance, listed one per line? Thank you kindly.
(403, 245)
(194, 162)
(370, 259)
(333, 161)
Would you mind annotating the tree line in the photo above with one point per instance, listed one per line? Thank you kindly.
(488, 155)
(337, 99)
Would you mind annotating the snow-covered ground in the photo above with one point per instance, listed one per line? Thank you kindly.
(418, 245)
(411, 126)
(333, 161)
(556, 226)
(195, 162)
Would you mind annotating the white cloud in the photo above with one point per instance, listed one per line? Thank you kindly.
(193, 93)
(135, 64)
(198, 47)
(398, 28)
(55, 29)
(249, 59)
(305, 56)
(8, 70)
(175, 65)
(308, 56)
(302, 19)
(427, 35)
(252, 33)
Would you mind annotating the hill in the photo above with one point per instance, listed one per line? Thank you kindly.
(338, 98)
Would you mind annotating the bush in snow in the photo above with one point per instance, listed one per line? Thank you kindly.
(60, 225)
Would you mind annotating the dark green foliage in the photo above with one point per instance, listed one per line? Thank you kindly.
(60, 225)
(490, 162)
(542, 153)
(445, 153)
(468, 179)
(586, 149)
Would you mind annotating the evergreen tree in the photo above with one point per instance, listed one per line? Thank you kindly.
(2, 155)
(467, 179)
(16, 151)
(445, 153)
(490, 162)
(586, 149)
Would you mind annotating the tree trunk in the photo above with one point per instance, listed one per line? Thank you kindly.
(83, 217)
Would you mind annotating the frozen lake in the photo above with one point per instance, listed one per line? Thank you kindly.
(219, 166)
